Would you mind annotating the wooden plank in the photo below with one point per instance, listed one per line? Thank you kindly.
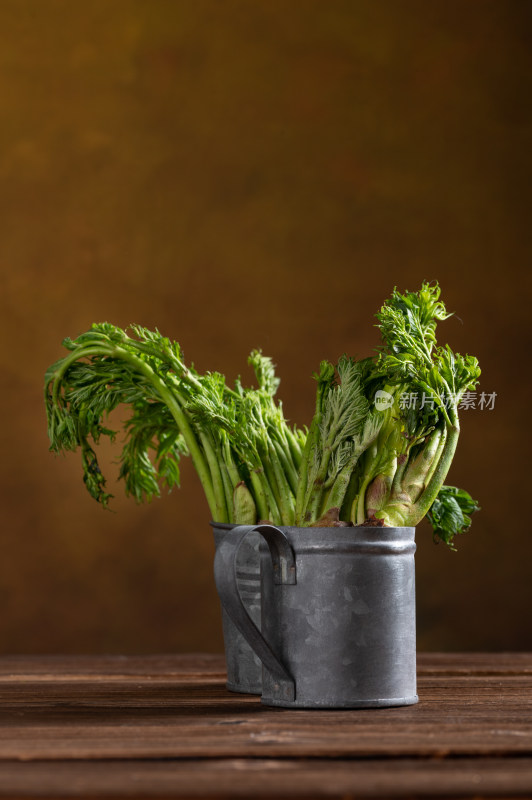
(258, 778)
(145, 690)
(474, 663)
(463, 715)
(98, 727)
(83, 667)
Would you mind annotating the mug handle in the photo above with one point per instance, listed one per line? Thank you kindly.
(284, 572)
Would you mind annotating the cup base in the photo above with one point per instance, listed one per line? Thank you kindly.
(388, 702)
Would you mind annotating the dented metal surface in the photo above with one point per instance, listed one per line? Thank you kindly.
(344, 631)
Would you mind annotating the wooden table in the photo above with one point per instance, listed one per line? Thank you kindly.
(122, 727)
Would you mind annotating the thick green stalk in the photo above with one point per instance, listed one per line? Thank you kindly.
(397, 483)
(358, 511)
(229, 461)
(295, 448)
(244, 510)
(288, 467)
(361, 501)
(227, 470)
(261, 499)
(415, 476)
(220, 500)
(228, 491)
(379, 490)
(315, 500)
(350, 495)
(287, 504)
(267, 479)
(325, 381)
(335, 498)
(378, 494)
(401, 511)
(311, 442)
(436, 459)
(397, 497)
(275, 479)
(428, 496)
(314, 497)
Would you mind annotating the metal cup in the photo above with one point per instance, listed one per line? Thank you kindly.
(337, 616)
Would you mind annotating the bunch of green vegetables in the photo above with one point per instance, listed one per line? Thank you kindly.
(369, 456)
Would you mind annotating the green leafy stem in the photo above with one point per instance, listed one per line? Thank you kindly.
(356, 464)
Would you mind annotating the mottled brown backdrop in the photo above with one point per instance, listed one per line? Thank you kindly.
(256, 173)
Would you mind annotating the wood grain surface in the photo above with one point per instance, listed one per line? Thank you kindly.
(165, 726)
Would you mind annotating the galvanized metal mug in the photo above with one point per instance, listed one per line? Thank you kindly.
(244, 667)
(337, 617)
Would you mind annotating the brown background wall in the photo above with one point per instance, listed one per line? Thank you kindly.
(256, 173)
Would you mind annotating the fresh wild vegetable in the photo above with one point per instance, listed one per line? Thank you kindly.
(245, 454)
(368, 457)
(366, 465)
